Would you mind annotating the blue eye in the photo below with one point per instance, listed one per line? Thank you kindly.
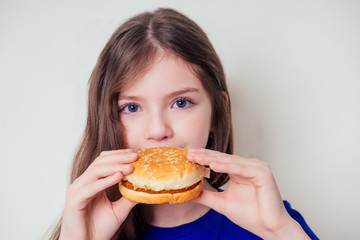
(132, 108)
(182, 103)
(129, 108)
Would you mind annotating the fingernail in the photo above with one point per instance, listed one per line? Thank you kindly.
(116, 174)
(132, 154)
(191, 150)
(197, 155)
(127, 168)
(190, 155)
(128, 150)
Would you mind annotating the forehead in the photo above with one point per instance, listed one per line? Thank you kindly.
(166, 72)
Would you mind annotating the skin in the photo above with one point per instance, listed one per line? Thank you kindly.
(252, 199)
(88, 213)
(163, 107)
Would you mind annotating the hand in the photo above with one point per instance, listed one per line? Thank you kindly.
(252, 199)
(88, 212)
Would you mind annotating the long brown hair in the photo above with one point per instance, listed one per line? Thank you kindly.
(129, 52)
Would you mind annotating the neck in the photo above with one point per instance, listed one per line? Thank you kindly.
(171, 215)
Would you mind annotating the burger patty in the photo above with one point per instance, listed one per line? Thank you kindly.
(129, 185)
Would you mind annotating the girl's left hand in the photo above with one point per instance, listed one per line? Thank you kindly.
(252, 199)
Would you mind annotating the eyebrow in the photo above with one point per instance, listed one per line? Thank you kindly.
(182, 91)
(170, 95)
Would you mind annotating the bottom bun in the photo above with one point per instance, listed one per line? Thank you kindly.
(161, 198)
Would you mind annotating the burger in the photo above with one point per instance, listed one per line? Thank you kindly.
(163, 175)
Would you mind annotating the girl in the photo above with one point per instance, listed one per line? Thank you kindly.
(159, 82)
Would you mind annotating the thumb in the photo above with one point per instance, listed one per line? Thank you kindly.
(211, 199)
(121, 208)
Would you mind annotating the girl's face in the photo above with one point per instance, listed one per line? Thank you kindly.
(166, 106)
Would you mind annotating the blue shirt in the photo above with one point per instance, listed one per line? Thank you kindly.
(213, 226)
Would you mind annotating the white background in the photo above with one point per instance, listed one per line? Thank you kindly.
(293, 70)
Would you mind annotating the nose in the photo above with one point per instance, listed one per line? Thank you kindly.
(158, 127)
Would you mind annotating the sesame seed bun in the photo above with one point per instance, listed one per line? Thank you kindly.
(163, 175)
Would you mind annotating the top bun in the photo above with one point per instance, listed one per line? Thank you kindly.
(164, 168)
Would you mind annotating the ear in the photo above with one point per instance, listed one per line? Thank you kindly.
(225, 95)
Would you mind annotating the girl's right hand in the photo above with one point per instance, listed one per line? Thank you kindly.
(88, 212)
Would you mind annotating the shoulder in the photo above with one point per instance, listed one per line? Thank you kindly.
(299, 218)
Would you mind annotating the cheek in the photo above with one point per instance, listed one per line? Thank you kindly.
(196, 130)
(131, 132)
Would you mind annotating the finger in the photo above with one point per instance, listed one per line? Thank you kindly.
(238, 171)
(121, 156)
(205, 156)
(121, 208)
(106, 165)
(80, 196)
(103, 171)
(92, 189)
(114, 152)
(223, 162)
(211, 199)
